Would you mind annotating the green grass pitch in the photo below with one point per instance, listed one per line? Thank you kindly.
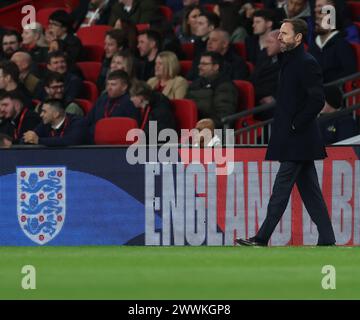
(229, 273)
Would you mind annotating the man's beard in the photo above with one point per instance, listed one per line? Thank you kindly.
(288, 47)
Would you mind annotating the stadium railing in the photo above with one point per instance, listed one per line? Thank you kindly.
(258, 133)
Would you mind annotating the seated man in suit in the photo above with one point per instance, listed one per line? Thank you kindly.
(57, 128)
(115, 102)
(17, 118)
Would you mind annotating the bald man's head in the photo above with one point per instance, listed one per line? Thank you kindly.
(23, 60)
(219, 41)
(272, 43)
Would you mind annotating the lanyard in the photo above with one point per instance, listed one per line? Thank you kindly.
(18, 129)
(53, 131)
(145, 118)
(108, 112)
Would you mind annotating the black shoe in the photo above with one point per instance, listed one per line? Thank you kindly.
(250, 242)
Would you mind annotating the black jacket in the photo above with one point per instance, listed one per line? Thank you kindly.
(295, 134)
(72, 132)
(161, 112)
(25, 121)
(337, 59)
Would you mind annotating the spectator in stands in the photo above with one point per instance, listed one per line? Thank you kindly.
(206, 23)
(54, 85)
(60, 28)
(123, 60)
(298, 9)
(263, 22)
(115, 40)
(58, 128)
(33, 42)
(10, 43)
(331, 50)
(228, 11)
(137, 11)
(179, 15)
(155, 106)
(131, 32)
(266, 73)
(9, 81)
(18, 118)
(339, 128)
(5, 141)
(214, 93)
(56, 45)
(115, 102)
(234, 65)
(167, 79)
(73, 84)
(27, 78)
(149, 44)
(92, 12)
(186, 31)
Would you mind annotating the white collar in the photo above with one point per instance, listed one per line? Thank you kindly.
(320, 44)
(59, 125)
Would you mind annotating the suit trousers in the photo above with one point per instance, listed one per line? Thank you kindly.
(303, 173)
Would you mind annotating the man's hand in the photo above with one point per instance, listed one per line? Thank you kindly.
(31, 137)
(267, 100)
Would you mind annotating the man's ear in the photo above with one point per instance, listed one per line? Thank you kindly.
(299, 37)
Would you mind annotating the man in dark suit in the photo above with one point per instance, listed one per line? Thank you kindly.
(296, 140)
(58, 128)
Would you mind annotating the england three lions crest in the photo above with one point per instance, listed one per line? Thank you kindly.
(41, 201)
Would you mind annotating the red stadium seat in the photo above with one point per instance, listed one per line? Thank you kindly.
(140, 27)
(354, 9)
(90, 91)
(356, 48)
(188, 49)
(166, 12)
(358, 25)
(70, 4)
(246, 94)
(240, 49)
(90, 70)
(42, 16)
(185, 66)
(355, 84)
(209, 7)
(93, 35)
(113, 130)
(250, 66)
(186, 113)
(259, 5)
(92, 53)
(86, 105)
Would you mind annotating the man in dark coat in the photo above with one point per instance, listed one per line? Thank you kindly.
(16, 118)
(57, 128)
(114, 103)
(155, 106)
(296, 140)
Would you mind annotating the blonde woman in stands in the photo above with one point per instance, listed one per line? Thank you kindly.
(167, 79)
(123, 60)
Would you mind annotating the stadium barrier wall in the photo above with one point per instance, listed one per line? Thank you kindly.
(94, 196)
